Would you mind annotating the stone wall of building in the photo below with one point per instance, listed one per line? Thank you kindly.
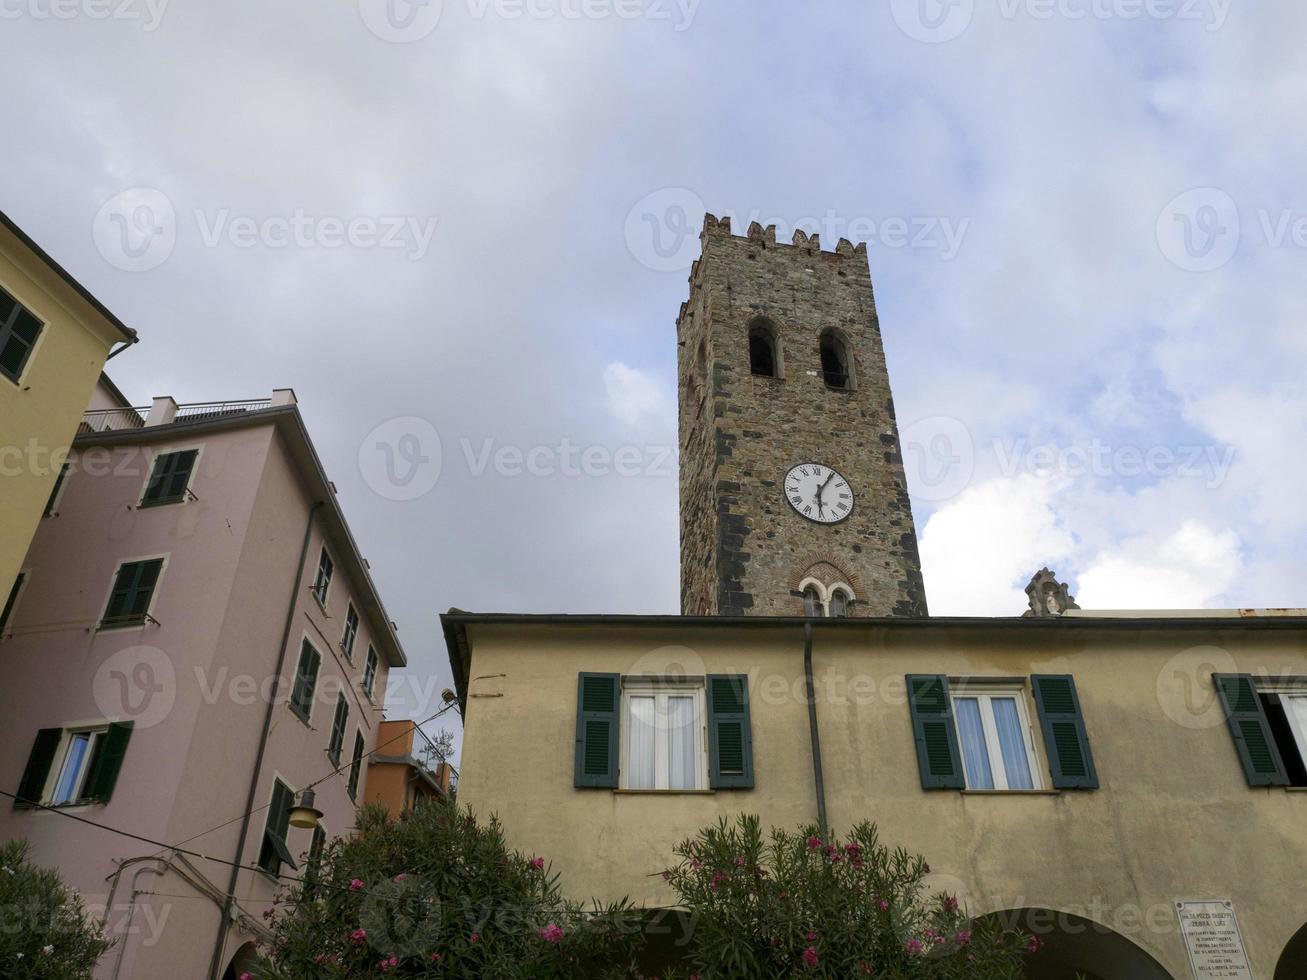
(743, 549)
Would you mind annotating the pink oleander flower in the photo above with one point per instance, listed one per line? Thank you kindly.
(696, 864)
(857, 865)
(359, 935)
(739, 861)
(356, 885)
(810, 957)
(812, 937)
(386, 965)
(913, 946)
(552, 933)
(962, 937)
(667, 876)
(320, 958)
(435, 957)
(537, 863)
(950, 903)
(717, 878)
(401, 876)
(883, 904)
(865, 967)
(814, 843)
(854, 848)
(247, 975)
(1034, 944)
(474, 938)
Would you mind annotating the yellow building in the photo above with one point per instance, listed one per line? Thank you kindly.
(1121, 791)
(54, 340)
(1129, 787)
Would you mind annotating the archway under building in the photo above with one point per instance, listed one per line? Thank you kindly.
(245, 960)
(1072, 947)
(1293, 960)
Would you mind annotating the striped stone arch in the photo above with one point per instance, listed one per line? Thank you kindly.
(826, 568)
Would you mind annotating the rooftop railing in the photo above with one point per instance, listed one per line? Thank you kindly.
(117, 419)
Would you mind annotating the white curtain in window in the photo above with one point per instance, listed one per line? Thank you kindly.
(975, 753)
(1012, 743)
(682, 752)
(640, 751)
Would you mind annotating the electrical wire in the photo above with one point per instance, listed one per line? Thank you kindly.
(179, 849)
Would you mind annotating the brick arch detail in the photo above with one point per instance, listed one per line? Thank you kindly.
(811, 560)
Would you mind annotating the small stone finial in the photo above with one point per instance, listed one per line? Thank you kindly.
(1048, 597)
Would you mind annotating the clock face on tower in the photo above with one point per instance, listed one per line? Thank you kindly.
(819, 493)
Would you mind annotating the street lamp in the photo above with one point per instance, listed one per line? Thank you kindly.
(304, 814)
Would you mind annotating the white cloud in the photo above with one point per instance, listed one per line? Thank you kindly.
(979, 550)
(635, 395)
(1187, 569)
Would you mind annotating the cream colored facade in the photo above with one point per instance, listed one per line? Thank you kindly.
(40, 412)
(1173, 819)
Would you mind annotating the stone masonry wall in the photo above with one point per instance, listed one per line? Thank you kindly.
(743, 550)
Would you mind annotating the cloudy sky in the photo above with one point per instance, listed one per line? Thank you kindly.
(461, 233)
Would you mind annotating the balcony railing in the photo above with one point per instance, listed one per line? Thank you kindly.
(117, 419)
(112, 419)
(209, 410)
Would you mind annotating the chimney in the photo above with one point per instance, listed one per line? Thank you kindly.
(162, 411)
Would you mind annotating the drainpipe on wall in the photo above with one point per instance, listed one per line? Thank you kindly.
(215, 963)
(812, 727)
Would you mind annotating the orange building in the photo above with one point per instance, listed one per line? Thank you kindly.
(407, 769)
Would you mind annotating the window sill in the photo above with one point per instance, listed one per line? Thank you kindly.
(1295, 789)
(119, 626)
(664, 792)
(168, 502)
(1011, 792)
(302, 717)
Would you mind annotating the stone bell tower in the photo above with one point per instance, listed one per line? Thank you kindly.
(793, 495)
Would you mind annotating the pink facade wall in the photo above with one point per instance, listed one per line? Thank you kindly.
(195, 684)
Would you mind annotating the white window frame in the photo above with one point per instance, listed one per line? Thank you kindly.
(1293, 688)
(985, 693)
(825, 593)
(57, 773)
(660, 689)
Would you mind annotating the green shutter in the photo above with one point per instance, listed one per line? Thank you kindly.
(1253, 738)
(1070, 761)
(100, 781)
(274, 851)
(596, 730)
(168, 480)
(730, 734)
(935, 731)
(338, 724)
(32, 787)
(306, 680)
(132, 589)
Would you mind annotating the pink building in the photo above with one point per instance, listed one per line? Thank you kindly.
(195, 638)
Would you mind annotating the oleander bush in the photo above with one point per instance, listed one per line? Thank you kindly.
(437, 894)
(45, 933)
(812, 905)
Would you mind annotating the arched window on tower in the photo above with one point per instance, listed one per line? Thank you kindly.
(764, 360)
(839, 603)
(812, 604)
(835, 361)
